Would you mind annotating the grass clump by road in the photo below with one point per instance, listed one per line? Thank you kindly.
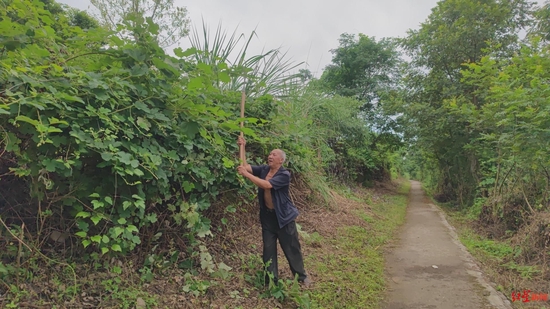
(347, 264)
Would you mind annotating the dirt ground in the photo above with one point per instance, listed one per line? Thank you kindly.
(427, 267)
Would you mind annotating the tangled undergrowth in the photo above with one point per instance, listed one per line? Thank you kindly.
(230, 275)
(114, 150)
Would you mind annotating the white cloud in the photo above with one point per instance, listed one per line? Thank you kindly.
(307, 29)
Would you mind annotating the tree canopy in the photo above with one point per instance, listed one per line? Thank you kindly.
(361, 68)
(172, 20)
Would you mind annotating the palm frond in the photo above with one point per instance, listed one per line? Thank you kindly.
(270, 72)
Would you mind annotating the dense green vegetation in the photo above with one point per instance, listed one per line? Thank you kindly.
(475, 108)
(111, 146)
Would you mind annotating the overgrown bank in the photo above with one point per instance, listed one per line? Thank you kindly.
(343, 246)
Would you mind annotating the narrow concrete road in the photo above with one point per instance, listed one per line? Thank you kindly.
(429, 268)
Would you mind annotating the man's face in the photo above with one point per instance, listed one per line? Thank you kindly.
(275, 158)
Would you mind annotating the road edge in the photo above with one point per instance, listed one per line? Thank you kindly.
(495, 298)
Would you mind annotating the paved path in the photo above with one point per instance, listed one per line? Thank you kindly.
(426, 239)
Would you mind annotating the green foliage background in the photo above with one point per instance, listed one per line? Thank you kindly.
(112, 140)
(474, 109)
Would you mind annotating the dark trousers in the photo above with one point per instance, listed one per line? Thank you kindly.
(288, 238)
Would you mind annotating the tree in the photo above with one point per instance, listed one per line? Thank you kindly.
(460, 32)
(82, 19)
(305, 75)
(456, 33)
(361, 68)
(542, 25)
(515, 128)
(365, 70)
(74, 17)
(172, 20)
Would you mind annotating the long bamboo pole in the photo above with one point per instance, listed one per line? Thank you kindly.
(242, 153)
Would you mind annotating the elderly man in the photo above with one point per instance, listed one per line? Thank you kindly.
(277, 213)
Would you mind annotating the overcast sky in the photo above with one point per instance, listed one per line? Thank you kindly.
(306, 29)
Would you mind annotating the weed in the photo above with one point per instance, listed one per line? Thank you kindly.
(7, 271)
(367, 217)
(16, 294)
(287, 289)
(314, 240)
(235, 294)
(195, 286)
(146, 274)
(256, 274)
(252, 266)
(524, 271)
(498, 250)
(475, 211)
(125, 296)
(223, 272)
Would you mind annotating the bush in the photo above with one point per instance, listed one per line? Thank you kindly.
(113, 136)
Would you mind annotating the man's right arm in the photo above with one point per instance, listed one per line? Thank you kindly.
(248, 167)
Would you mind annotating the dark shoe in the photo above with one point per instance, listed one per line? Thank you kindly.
(307, 283)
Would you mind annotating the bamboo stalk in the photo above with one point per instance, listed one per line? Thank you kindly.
(242, 153)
